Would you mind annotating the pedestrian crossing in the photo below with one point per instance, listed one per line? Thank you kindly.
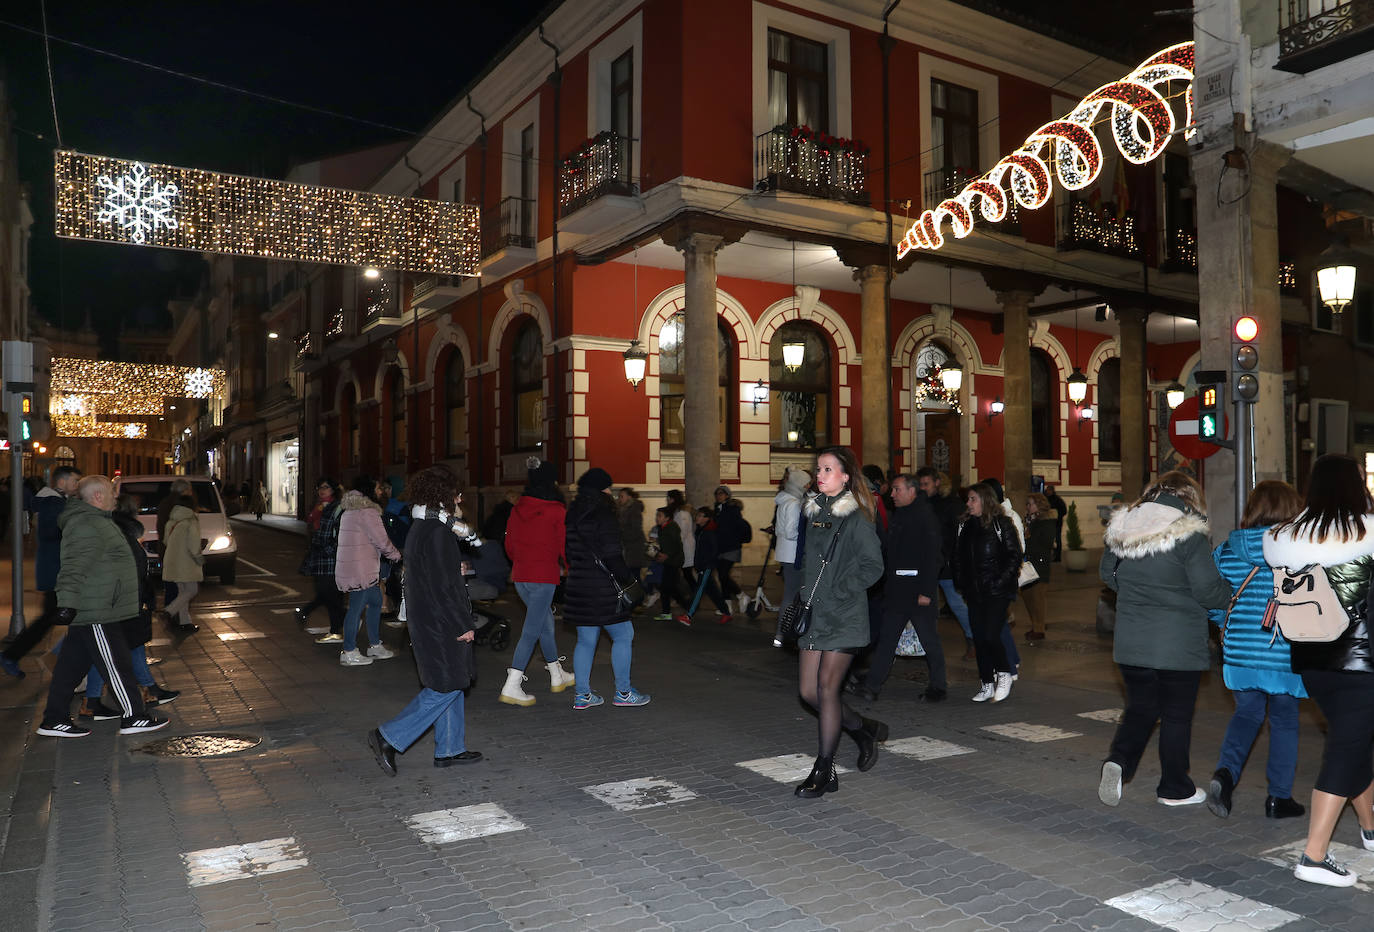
(1176, 903)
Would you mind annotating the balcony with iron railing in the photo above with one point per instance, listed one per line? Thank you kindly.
(800, 160)
(600, 166)
(1098, 229)
(509, 224)
(945, 183)
(1180, 251)
(1316, 33)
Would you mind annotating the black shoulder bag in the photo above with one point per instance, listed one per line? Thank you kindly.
(795, 619)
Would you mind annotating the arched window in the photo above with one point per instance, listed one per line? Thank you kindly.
(799, 400)
(672, 362)
(1109, 411)
(455, 405)
(65, 456)
(1044, 385)
(396, 392)
(351, 412)
(527, 386)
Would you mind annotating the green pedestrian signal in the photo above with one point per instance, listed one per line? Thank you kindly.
(1207, 427)
(1207, 420)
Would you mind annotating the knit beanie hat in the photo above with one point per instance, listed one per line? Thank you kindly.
(996, 489)
(798, 480)
(595, 478)
(540, 472)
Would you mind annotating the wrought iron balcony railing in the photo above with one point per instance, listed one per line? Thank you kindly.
(943, 183)
(1180, 251)
(510, 223)
(1098, 229)
(800, 160)
(1315, 33)
(602, 165)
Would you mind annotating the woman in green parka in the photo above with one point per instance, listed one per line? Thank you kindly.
(839, 611)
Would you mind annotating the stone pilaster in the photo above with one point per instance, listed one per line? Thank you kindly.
(877, 371)
(701, 416)
(1135, 415)
(1015, 293)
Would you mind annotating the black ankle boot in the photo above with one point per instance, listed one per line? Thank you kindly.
(867, 737)
(1276, 808)
(821, 781)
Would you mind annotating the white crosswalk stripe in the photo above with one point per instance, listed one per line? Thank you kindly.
(1110, 716)
(642, 793)
(236, 862)
(1025, 731)
(444, 826)
(786, 768)
(1190, 906)
(924, 748)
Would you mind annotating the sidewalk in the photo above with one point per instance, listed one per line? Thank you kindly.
(273, 522)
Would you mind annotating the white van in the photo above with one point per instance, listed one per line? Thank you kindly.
(216, 537)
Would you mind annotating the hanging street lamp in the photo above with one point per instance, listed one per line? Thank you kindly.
(636, 359)
(1336, 276)
(1078, 386)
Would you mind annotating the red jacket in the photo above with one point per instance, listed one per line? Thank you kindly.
(534, 540)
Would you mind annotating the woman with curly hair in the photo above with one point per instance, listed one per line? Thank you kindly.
(439, 617)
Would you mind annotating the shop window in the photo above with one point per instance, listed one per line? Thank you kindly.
(671, 391)
(798, 81)
(1044, 406)
(799, 408)
(65, 456)
(1109, 412)
(455, 405)
(396, 385)
(527, 381)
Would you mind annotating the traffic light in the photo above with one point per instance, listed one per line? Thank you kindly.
(1245, 358)
(1208, 413)
(26, 417)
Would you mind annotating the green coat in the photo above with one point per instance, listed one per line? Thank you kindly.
(181, 554)
(98, 576)
(1159, 561)
(839, 611)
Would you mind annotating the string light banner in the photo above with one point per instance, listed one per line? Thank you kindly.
(96, 398)
(1142, 119)
(145, 204)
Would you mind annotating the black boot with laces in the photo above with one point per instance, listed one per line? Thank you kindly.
(821, 781)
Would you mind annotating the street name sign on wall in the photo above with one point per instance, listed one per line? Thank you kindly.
(1183, 431)
(113, 200)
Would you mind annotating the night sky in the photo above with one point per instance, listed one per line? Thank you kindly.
(395, 64)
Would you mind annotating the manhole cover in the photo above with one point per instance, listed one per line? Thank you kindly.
(210, 745)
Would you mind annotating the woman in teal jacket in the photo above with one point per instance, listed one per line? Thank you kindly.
(839, 607)
(1256, 664)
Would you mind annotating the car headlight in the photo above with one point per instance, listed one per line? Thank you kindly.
(222, 542)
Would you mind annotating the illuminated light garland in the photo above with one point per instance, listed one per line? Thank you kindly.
(119, 201)
(83, 391)
(1142, 122)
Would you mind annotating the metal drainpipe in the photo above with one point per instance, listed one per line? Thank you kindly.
(481, 209)
(412, 424)
(556, 80)
(886, 44)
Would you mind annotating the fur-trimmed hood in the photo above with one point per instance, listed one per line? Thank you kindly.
(1150, 528)
(841, 506)
(354, 500)
(1290, 550)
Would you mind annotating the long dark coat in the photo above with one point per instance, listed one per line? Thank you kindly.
(438, 609)
(589, 596)
(139, 629)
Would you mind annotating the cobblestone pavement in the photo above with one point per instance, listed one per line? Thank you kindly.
(677, 815)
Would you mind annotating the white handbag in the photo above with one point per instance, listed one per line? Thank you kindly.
(1028, 574)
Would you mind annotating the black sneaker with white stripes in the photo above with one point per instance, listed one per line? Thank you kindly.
(140, 723)
(63, 730)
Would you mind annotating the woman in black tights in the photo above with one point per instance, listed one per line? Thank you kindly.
(839, 621)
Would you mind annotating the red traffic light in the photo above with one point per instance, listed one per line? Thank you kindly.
(1247, 328)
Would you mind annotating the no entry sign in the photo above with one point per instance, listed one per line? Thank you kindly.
(1183, 431)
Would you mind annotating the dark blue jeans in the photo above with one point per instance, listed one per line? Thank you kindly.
(1251, 705)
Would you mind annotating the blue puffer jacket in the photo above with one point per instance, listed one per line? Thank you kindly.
(1252, 658)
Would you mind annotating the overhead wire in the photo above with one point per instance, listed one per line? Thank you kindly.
(47, 55)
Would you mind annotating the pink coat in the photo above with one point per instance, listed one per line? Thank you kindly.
(362, 544)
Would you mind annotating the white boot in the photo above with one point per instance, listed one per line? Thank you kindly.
(512, 693)
(1002, 687)
(984, 694)
(559, 679)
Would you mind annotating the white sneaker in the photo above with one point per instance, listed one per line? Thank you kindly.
(1002, 686)
(651, 600)
(380, 652)
(1326, 872)
(394, 623)
(1367, 839)
(317, 629)
(1199, 796)
(1109, 787)
(353, 658)
(984, 694)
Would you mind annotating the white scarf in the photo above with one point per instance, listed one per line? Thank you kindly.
(421, 512)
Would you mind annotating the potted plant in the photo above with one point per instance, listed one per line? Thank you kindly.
(1075, 557)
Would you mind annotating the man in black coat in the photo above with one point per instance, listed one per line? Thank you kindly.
(913, 558)
(1062, 507)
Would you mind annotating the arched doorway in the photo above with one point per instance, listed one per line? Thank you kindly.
(937, 419)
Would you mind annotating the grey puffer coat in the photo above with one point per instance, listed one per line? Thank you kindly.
(839, 612)
(1159, 561)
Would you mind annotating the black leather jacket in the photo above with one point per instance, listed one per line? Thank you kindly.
(987, 560)
(1351, 652)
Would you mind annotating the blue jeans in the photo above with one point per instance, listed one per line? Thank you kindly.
(359, 599)
(139, 655)
(538, 597)
(956, 605)
(442, 710)
(1283, 737)
(622, 635)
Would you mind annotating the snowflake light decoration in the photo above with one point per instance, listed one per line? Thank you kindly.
(133, 430)
(199, 383)
(137, 202)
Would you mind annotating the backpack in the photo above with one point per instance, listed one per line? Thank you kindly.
(1304, 606)
(745, 530)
